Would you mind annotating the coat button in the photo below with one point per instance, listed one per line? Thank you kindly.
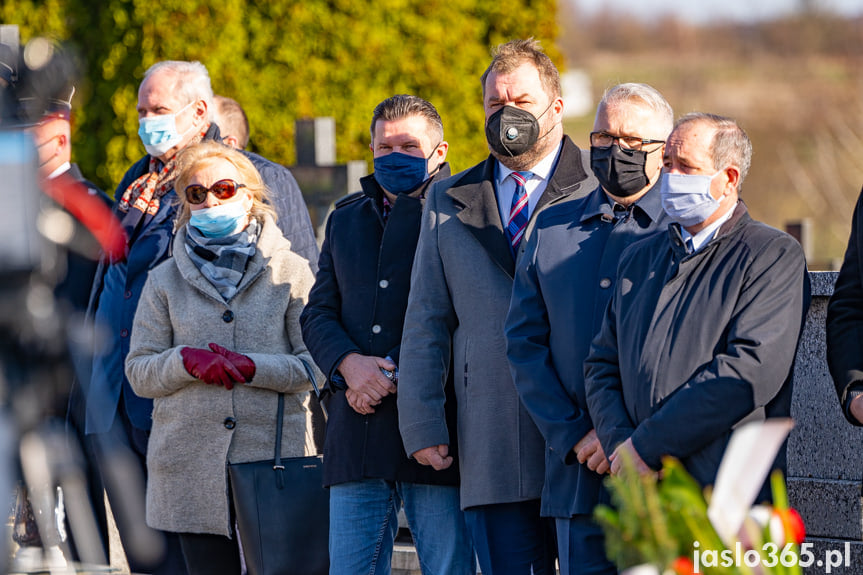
(124, 333)
(384, 284)
(228, 316)
(604, 283)
(128, 294)
(230, 423)
(376, 329)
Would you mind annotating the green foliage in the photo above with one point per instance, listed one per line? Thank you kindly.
(655, 522)
(284, 60)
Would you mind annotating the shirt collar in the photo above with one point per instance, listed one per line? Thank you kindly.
(700, 238)
(61, 169)
(650, 203)
(542, 169)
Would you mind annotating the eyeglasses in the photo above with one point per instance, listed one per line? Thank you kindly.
(223, 190)
(604, 140)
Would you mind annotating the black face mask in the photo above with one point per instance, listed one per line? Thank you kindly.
(512, 131)
(620, 172)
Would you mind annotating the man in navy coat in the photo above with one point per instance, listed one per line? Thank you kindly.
(352, 326)
(559, 295)
(702, 328)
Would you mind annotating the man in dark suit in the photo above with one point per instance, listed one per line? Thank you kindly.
(559, 296)
(467, 255)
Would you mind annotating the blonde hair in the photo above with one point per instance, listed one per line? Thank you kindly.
(193, 158)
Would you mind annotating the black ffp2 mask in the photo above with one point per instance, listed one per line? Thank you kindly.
(511, 131)
(620, 172)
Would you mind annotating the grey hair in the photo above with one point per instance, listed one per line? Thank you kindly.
(643, 94)
(403, 105)
(730, 144)
(192, 83)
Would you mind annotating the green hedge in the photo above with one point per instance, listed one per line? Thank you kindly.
(283, 60)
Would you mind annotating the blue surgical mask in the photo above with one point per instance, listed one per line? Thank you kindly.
(686, 198)
(400, 173)
(220, 221)
(159, 133)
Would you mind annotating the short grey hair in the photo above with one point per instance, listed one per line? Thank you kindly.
(730, 143)
(403, 105)
(643, 94)
(193, 81)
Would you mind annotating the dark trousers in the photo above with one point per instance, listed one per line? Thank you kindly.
(210, 554)
(512, 539)
(121, 455)
(581, 547)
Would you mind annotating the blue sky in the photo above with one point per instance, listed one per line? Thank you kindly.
(700, 11)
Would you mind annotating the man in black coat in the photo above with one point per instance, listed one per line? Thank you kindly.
(703, 324)
(352, 326)
(845, 325)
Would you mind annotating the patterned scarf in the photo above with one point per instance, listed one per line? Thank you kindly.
(223, 261)
(141, 200)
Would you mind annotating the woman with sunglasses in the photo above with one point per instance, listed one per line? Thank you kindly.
(216, 337)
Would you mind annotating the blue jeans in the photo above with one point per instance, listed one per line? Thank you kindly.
(364, 522)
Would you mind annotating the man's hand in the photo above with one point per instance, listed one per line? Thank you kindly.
(437, 456)
(616, 463)
(363, 375)
(856, 408)
(589, 451)
(360, 402)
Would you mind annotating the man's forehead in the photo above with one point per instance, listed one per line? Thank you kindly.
(409, 127)
(159, 87)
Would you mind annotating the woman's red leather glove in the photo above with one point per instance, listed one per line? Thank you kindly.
(211, 367)
(242, 362)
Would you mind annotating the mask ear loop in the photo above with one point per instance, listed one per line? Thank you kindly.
(550, 130)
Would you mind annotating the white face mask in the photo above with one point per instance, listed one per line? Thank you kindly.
(159, 133)
(686, 198)
(219, 221)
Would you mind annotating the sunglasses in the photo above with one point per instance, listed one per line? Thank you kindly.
(223, 190)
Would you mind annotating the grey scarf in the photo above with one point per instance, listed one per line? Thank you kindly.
(223, 261)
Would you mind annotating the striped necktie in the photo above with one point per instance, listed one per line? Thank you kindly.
(518, 212)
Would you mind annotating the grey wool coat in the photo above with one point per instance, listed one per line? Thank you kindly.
(460, 291)
(198, 428)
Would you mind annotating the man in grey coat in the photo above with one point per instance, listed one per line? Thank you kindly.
(460, 290)
(703, 324)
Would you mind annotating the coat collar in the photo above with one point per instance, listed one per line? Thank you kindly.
(598, 203)
(476, 201)
(740, 215)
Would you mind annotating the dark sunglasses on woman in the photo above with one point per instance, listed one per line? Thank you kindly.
(223, 190)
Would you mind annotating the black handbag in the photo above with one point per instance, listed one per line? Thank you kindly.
(283, 510)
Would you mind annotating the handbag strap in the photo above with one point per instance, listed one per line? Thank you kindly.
(280, 419)
(311, 373)
(280, 416)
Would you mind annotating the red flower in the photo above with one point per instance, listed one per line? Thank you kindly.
(683, 566)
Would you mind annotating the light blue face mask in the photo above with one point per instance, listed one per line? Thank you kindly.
(220, 221)
(159, 133)
(686, 198)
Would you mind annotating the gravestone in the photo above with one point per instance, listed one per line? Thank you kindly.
(825, 463)
(321, 179)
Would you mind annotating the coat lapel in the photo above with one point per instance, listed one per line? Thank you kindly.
(479, 213)
(567, 177)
